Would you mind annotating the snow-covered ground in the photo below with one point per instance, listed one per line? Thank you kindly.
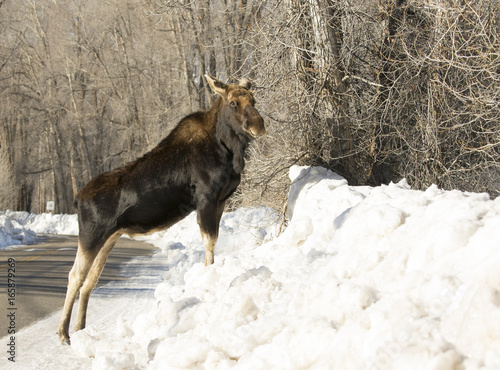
(361, 278)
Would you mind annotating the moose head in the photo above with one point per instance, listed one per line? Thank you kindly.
(238, 107)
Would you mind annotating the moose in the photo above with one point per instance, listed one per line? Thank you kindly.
(196, 167)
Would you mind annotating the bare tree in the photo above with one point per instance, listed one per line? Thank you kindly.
(87, 86)
(376, 91)
(7, 187)
(382, 91)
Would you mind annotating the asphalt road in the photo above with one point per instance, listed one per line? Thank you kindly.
(41, 276)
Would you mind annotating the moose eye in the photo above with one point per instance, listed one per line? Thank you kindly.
(233, 104)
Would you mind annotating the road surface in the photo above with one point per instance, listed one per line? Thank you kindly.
(41, 276)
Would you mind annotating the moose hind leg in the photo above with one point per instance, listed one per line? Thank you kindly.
(77, 275)
(92, 278)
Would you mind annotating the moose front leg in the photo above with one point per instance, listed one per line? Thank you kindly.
(209, 244)
(208, 219)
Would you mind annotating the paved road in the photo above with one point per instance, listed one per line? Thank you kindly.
(42, 276)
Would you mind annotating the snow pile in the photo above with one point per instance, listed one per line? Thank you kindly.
(48, 223)
(14, 233)
(362, 278)
(20, 228)
(45, 223)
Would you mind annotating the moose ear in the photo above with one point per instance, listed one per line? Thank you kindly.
(245, 83)
(217, 86)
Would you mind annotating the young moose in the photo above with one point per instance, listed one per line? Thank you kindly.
(196, 167)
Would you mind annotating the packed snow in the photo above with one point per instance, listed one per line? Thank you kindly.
(361, 278)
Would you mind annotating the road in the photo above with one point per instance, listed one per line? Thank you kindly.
(41, 276)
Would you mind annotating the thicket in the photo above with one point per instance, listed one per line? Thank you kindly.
(374, 90)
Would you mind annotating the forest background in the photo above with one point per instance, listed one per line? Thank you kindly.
(374, 90)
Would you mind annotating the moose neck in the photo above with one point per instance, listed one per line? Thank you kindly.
(230, 139)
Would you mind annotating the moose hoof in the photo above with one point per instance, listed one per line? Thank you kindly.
(64, 338)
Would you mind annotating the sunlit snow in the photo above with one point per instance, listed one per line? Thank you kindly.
(361, 278)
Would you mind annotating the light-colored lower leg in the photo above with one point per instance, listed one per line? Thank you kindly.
(91, 280)
(77, 275)
(209, 243)
(208, 220)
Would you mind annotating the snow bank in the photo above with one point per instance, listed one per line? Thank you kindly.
(362, 278)
(18, 228)
(13, 233)
(48, 223)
